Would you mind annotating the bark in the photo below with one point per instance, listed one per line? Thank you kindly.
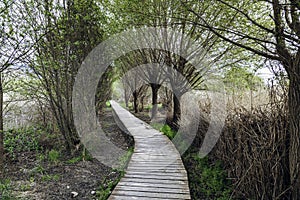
(176, 112)
(126, 96)
(1, 130)
(294, 132)
(154, 88)
(135, 102)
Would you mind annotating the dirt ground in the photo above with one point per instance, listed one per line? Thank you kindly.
(33, 177)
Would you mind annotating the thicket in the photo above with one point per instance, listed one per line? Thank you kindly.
(252, 149)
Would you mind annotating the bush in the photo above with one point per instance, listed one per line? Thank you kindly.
(253, 147)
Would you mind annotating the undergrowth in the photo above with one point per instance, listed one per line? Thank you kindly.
(207, 179)
(6, 190)
(22, 139)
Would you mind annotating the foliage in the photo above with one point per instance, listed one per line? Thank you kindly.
(107, 187)
(5, 190)
(22, 139)
(39, 169)
(107, 104)
(208, 180)
(53, 156)
(166, 129)
(84, 156)
(239, 78)
(48, 177)
(70, 30)
(75, 160)
(157, 126)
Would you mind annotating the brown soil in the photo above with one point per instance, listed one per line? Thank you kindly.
(35, 178)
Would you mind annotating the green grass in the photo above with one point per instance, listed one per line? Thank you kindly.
(22, 139)
(6, 190)
(84, 156)
(107, 187)
(48, 177)
(208, 179)
(53, 156)
(165, 129)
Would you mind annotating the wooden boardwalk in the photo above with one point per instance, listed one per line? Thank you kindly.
(155, 170)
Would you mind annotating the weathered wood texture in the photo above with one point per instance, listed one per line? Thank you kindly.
(155, 170)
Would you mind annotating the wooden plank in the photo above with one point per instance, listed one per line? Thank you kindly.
(117, 197)
(154, 185)
(164, 177)
(156, 173)
(182, 171)
(142, 180)
(143, 195)
(155, 170)
(154, 189)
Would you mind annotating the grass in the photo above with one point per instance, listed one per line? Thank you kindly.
(84, 156)
(107, 187)
(48, 177)
(168, 131)
(208, 180)
(6, 190)
(53, 156)
(22, 139)
(165, 129)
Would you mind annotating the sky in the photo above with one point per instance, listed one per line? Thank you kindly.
(265, 74)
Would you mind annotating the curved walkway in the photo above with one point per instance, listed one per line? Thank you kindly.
(155, 170)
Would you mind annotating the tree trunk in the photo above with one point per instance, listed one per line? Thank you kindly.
(176, 112)
(126, 98)
(294, 132)
(135, 102)
(1, 130)
(154, 88)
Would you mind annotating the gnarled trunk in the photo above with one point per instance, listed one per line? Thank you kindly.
(294, 132)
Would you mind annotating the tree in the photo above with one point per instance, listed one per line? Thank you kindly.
(270, 29)
(14, 46)
(131, 78)
(72, 29)
(239, 79)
